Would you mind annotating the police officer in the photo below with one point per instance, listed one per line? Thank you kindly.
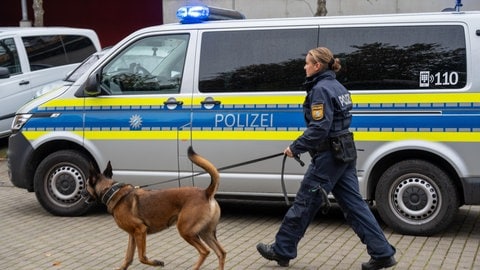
(333, 168)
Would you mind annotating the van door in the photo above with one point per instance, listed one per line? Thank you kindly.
(249, 104)
(141, 123)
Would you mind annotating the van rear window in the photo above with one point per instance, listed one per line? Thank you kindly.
(56, 50)
(254, 60)
(399, 57)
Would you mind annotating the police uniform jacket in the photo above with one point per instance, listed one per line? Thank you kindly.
(326, 110)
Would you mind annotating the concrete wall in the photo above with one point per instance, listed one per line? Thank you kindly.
(305, 8)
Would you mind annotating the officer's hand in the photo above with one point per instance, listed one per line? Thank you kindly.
(288, 152)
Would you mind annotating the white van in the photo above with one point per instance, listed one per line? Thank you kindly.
(32, 57)
(233, 90)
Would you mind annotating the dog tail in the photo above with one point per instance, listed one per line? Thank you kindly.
(209, 168)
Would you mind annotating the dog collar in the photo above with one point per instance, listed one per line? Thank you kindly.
(111, 191)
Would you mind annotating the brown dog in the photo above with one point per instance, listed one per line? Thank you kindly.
(140, 212)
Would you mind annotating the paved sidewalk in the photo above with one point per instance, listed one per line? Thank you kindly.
(33, 239)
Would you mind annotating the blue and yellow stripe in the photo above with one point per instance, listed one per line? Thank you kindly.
(448, 117)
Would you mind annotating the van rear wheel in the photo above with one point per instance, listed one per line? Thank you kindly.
(416, 197)
(59, 182)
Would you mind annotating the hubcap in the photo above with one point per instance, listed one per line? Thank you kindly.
(66, 183)
(415, 199)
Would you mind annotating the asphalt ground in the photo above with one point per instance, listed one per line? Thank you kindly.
(31, 238)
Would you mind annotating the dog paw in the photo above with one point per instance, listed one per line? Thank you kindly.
(158, 263)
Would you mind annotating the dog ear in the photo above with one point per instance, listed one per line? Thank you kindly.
(93, 173)
(108, 170)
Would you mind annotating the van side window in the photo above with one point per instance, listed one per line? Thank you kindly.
(51, 51)
(9, 56)
(153, 65)
(77, 48)
(399, 57)
(254, 60)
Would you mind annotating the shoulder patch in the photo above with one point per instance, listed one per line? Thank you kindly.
(317, 111)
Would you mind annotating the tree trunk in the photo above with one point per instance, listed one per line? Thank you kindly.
(321, 8)
(38, 12)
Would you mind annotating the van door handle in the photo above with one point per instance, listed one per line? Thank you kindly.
(210, 101)
(24, 82)
(173, 101)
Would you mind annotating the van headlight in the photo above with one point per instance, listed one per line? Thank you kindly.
(19, 121)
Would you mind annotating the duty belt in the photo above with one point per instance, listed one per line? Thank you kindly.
(321, 147)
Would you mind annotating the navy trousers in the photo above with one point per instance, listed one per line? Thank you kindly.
(341, 180)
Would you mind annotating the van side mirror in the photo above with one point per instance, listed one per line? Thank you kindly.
(4, 73)
(92, 86)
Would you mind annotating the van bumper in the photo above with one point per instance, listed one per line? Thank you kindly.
(471, 190)
(20, 167)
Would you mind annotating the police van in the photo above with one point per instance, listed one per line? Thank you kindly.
(232, 89)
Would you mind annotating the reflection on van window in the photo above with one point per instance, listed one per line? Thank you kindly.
(255, 60)
(152, 65)
(399, 57)
(51, 51)
(9, 56)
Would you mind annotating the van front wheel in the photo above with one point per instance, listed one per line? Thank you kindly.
(416, 197)
(59, 182)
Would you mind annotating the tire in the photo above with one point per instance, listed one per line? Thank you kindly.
(59, 181)
(416, 197)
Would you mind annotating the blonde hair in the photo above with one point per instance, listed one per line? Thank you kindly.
(325, 56)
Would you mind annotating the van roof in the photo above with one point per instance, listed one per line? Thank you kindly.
(357, 20)
(326, 20)
(26, 31)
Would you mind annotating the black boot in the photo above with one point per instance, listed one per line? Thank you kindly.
(374, 264)
(268, 253)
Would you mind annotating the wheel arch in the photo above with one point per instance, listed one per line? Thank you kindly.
(50, 147)
(436, 157)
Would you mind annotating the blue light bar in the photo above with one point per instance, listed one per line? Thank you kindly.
(197, 14)
(458, 5)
